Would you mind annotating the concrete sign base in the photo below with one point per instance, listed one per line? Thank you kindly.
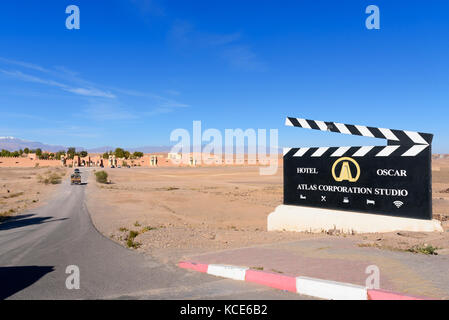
(308, 219)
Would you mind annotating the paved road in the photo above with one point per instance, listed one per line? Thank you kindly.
(37, 246)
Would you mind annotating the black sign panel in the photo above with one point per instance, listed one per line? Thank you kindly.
(392, 180)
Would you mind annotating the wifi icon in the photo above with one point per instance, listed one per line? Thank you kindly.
(398, 203)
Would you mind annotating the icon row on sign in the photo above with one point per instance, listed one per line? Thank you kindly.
(371, 202)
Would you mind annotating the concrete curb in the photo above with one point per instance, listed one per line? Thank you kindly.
(313, 287)
(299, 219)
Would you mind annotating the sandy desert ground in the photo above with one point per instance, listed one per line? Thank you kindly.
(172, 212)
(25, 188)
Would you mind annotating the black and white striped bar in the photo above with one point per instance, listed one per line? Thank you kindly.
(395, 137)
(365, 151)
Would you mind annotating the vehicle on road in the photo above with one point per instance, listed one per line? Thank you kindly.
(75, 178)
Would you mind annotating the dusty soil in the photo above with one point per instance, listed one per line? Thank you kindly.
(187, 210)
(182, 211)
(25, 188)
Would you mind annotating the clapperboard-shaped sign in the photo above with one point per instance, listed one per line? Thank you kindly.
(392, 180)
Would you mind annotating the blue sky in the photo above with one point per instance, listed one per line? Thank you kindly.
(138, 69)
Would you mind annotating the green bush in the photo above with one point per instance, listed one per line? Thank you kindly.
(424, 249)
(5, 215)
(54, 178)
(101, 176)
(133, 234)
(130, 240)
(133, 244)
(49, 178)
(148, 228)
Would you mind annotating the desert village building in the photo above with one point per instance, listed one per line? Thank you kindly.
(170, 159)
(91, 160)
(148, 160)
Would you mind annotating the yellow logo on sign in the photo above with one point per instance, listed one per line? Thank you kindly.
(345, 171)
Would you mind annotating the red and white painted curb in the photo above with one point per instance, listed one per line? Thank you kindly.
(313, 287)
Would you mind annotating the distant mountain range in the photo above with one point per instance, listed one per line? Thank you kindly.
(13, 144)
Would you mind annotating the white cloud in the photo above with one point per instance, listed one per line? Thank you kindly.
(106, 105)
(243, 58)
(104, 111)
(149, 7)
(157, 111)
(30, 78)
(60, 132)
(173, 92)
(92, 92)
(23, 64)
(160, 101)
(229, 46)
(222, 39)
